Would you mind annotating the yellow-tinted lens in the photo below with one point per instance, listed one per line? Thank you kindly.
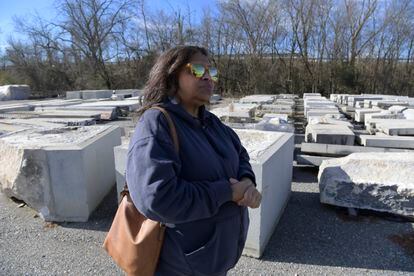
(213, 73)
(198, 70)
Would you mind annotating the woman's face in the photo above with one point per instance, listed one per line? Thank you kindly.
(193, 91)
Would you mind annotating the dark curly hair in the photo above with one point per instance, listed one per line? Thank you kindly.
(163, 77)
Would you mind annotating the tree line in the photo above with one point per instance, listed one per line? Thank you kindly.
(262, 46)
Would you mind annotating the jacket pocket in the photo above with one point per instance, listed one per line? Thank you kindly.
(220, 253)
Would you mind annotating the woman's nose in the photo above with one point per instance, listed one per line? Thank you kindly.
(206, 76)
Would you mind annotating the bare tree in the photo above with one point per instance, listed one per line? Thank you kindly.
(89, 27)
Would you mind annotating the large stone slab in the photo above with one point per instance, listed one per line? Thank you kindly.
(400, 142)
(315, 120)
(371, 123)
(275, 115)
(329, 134)
(14, 92)
(89, 94)
(321, 112)
(236, 113)
(289, 102)
(275, 108)
(341, 150)
(369, 181)
(52, 104)
(258, 99)
(401, 128)
(107, 112)
(271, 156)
(307, 95)
(63, 173)
(361, 112)
(388, 104)
(32, 123)
(15, 107)
(312, 160)
(57, 114)
(358, 101)
(129, 105)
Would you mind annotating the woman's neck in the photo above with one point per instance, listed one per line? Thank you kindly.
(193, 110)
(189, 107)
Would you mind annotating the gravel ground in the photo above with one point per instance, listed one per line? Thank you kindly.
(310, 239)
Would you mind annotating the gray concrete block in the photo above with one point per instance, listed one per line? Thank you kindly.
(14, 92)
(258, 99)
(271, 158)
(341, 150)
(63, 173)
(360, 113)
(401, 128)
(401, 142)
(329, 134)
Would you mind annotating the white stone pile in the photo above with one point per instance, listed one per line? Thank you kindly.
(260, 112)
(325, 122)
(388, 119)
(389, 128)
(103, 94)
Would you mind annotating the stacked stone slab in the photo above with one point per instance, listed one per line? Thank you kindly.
(402, 128)
(236, 113)
(15, 107)
(369, 181)
(277, 108)
(258, 99)
(89, 94)
(374, 119)
(63, 173)
(361, 112)
(401, 142)
(103, 94)
(315, 105)
(129, 105)
(329, 134)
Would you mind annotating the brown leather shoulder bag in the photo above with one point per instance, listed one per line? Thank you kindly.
(134, 242)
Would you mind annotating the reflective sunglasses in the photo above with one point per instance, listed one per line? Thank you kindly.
(198, 70)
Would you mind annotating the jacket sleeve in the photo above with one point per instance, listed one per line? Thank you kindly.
(245, 169)
(155, 187)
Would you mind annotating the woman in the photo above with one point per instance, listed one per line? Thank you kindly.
(200, 193)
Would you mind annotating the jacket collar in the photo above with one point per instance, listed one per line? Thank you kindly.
(204, 117)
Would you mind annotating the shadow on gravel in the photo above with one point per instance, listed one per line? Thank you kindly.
(101, 218)
(315, 234)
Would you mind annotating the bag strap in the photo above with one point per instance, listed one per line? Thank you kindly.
(173, 133)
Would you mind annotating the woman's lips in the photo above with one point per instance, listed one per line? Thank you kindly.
(208, 87)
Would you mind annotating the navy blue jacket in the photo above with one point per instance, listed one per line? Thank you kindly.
(190, 191)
